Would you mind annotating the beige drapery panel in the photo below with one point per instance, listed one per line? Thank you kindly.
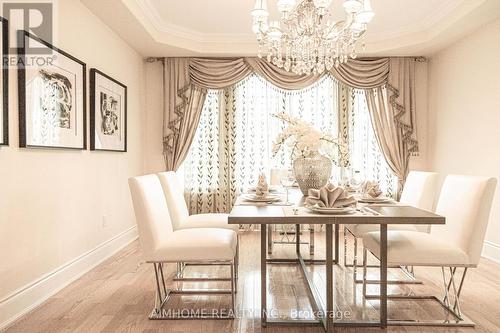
(187, 80)
(392, 111)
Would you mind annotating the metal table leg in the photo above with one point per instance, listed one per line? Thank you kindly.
(270, 239)
(311, 239)
(329, 278)
(337, 232)
(297, 238)
(263, 277)
(383, 275)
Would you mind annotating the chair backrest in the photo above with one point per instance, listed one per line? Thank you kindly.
(465, 201)
(420, 191)
(151, 212)
(174, 194)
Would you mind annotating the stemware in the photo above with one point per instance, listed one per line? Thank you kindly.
(287, 182)
(356, 181)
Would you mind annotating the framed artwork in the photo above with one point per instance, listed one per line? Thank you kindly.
(52, 98)
(4, 83)
(108, 113)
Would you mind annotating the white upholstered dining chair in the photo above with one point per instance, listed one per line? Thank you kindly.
(174, 194)
(419, 191)
(465, 202)
(179, 214)
(162, 244)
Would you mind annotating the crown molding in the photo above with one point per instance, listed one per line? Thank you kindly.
(445, 8)
(154, 37)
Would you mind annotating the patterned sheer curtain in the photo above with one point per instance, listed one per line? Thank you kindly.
(237, 128)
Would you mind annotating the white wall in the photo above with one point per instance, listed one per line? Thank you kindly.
(464, 123)
(57, 205)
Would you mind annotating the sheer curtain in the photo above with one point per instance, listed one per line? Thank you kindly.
(234, 138)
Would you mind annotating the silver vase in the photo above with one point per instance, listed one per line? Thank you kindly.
(312, 172)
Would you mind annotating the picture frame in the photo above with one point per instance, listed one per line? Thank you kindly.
(4, 83)
(52, 98)
(108, 113)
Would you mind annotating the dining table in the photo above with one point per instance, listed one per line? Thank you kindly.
(295, 212)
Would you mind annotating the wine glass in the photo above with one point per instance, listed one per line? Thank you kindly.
(356, 180)
(345, 177)
(287, 181)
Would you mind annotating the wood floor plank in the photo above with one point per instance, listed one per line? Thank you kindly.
(118, 295)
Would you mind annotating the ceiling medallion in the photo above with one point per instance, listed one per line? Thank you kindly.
(306, 40)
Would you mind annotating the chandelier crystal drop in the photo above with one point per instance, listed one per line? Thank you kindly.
(306, 40)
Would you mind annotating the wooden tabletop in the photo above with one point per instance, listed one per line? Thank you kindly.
(381, 214)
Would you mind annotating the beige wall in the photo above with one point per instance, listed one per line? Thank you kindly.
(154, 161)
(464, 100)
(421, 162)
(55, 205)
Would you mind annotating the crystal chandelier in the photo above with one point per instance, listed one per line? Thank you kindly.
(306, 40)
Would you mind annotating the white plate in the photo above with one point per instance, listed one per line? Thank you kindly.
(255, 198)
(272, 189)
(375, 200)
(333, 211)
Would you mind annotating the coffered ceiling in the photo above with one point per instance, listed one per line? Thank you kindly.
(223, 27)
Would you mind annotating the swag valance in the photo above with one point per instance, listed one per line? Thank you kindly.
(388, 84)
(220, 73)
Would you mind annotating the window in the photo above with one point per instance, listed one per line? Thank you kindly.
(233, 142)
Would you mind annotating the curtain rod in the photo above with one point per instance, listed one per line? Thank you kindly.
(154, 59)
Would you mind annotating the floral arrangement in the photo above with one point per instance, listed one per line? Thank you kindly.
(307, 141)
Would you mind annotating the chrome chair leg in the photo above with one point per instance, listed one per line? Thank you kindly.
(355, 261)
(446, 299)
(233, 285)
(365, 264)
(345, 246)
(450, 290)
(237, 259)
(456, 305)
(163, 294)
(311, 239)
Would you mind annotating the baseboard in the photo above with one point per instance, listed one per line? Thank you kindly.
(25, 299)
(491, 251)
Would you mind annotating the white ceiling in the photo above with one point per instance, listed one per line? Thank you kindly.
(222, 27)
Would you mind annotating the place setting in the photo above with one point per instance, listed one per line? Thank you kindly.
(330, 200)
(372, 194)
(263, 194)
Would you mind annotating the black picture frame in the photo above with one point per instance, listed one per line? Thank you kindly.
(22, 92)
(93, 109)
(4, 140)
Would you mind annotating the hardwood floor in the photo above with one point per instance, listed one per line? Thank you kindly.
(118, 295)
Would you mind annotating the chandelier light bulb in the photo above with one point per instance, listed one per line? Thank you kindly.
(352, 6)
(274, 31)
(285, 6)
(367, 14)
(358, 27)
(256, 28)
(260, 10)
(322, 4)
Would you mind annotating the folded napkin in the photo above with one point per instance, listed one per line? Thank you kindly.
(371, 189)
(329, 196)
(262, 188)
